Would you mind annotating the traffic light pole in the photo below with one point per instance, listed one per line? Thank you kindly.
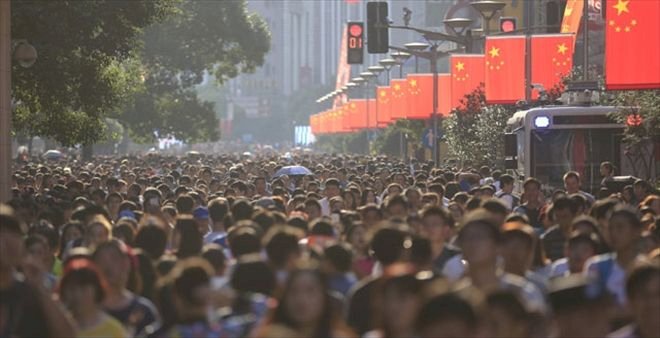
(5, 101)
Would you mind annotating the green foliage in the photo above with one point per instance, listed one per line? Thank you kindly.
(77, 78)
(389, 140)
(218, 37)
(476, 132)
(640, 113)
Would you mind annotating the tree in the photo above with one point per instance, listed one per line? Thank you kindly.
(640, 113)
(79, 77)
(220, 38)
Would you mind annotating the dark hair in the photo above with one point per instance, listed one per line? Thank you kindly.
(243, 239)
(442, 212)
(388, 243)
(506, 179)
(322, 227)
(219, 211)
(124, 231)
(242, 210)
(340, 256)
(629, 214)
(483, 220)
(563, 203)
(496, 206)
(327, 319)
(254, 276)
(532, 180)
(214, 254)
(152, 239)
(83, 271)
(191, 239)
(447, 306)
(185, 204)
(148, 274)
(641, 275)
(188, 275)
(280, 243)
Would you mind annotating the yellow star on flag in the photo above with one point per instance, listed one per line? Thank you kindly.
(569, 11)
(383, 94)
(413, 83)
(460, 66)
(561, 49)
(494, 52)
(621, 6)
(397, 87)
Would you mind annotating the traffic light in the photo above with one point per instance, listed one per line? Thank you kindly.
(355, 43)
(377, 31)
(507, 24)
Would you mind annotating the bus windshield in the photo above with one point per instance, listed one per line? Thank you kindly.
(554, 152)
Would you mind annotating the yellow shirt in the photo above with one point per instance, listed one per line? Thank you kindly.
(107, 328)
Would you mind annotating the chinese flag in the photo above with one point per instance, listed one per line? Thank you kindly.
(345, 118)
(399, 106)
(360, 114)
(420, 96)
(552, 58)
(572, 17)
(371, 109)
(505, 69)
(383, 96)
(467, 73)
(632, 44)
(444, 94)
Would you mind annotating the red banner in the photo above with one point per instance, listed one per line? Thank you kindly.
(420, 96)
(384, 104)
(399, 106)
(632, 47)
(444, 94)
(572, 16)
(505, 69)
(552, 59)
(467, 73)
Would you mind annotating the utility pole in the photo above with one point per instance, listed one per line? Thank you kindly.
(5, 101)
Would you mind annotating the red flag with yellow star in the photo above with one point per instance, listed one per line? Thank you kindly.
(552, 58)
(359, 120)
(572, 20)
(383, 94)
(505, 69)
(399, 106)
(632, 44)
(444, 94)
(420, 96)
(467, 73)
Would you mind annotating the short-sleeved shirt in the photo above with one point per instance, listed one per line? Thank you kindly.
(137, 316)
(107, 328)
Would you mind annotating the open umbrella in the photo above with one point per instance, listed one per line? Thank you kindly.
(53, 154)
(293, 170)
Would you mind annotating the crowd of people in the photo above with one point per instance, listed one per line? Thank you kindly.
(224, 246)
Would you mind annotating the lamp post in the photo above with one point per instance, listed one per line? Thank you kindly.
(376, 70)
(487, 9)
(388, 64)
(416, 47)
(360, 81)
(401, 58)
(367, 76)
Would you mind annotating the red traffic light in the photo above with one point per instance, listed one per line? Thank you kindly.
(507, 24)
(355, 30)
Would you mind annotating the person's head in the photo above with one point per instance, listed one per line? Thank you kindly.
(356, 236)
(281, 244)
(438, 223)
(337, 259)
(564, 211)
(191, 288)
(625, 228)
(370, 215)
(643, 290)
(532, 189)
(572, 182)
(113, 261)
(479, 239)
(447, 315)
(185, 204)
(518, 241)
(498, 210)
(396, 206)
(252, 275)
(305, 302)
(399, 302)
(332, 188)
(215, 256)
(97, 231)
(389, 243)
(641, 189)
(152, 239)
(606, 169)
(580, 247)
(244, 239)
(82, 287)
(186, 237)
(580, 307)
(507, 316)
(506, 183)
(219, 213)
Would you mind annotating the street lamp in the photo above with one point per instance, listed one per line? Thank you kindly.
(457, 26)
(487, 9)
(401, 58)
(388, 64)
(416, 47)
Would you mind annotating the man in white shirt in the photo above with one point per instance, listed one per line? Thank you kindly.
(330, 190)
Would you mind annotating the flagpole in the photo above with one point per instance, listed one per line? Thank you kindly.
(585, 32)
